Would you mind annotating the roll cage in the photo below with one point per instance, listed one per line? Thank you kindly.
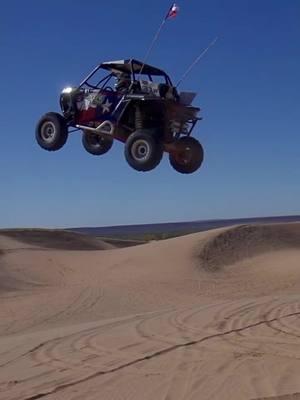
(131, 66)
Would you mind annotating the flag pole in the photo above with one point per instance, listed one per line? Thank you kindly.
(153, 42)
(157, 35)
(196, 60)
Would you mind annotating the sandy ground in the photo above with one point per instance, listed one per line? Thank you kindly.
(213, 315)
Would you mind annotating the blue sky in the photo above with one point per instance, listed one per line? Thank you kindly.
(248, 89)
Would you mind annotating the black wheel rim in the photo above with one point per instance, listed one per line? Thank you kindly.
(95, 141)
(184, 155)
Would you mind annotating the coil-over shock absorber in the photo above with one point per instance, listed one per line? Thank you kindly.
(138, 118)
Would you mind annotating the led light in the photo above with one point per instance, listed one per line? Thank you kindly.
(67, 90)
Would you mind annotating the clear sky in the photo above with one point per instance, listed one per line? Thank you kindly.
(248, 89)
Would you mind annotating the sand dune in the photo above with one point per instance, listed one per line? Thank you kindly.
(211, 315)
(54, 238)
(246, 241)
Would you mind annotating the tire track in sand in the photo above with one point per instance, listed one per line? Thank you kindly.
(163, 351)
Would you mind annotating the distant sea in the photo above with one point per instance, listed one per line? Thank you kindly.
(178, 227)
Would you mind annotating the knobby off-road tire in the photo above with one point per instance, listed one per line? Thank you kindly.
(189, 155)
(143, 150)
(95, 144)
(51, 131)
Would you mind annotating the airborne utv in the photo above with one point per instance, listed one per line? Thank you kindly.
(142, 109)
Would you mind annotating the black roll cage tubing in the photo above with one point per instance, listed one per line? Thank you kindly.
(107, 78)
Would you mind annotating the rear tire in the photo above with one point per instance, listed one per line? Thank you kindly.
(143, 151)
(51, 131)
(95, 144)
(188, 157)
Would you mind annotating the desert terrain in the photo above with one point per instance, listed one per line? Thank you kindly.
(209, 315)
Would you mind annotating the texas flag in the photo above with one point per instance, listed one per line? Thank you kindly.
(173, 11)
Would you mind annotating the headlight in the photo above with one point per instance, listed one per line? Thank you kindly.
(67, 90)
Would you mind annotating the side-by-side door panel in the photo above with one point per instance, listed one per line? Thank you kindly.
(97, 105)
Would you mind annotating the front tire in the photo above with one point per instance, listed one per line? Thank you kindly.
(51, 131)
(95, 144)
(143, 151)
(188, 156)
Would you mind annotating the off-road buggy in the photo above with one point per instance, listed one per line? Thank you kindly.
(141, 108)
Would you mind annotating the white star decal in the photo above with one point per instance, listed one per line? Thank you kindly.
(106, 106)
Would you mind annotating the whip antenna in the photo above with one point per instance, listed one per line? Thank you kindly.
(172, 13)
(196, 60)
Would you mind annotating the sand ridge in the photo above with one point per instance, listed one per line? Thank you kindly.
(52, 239)
(208, 315)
